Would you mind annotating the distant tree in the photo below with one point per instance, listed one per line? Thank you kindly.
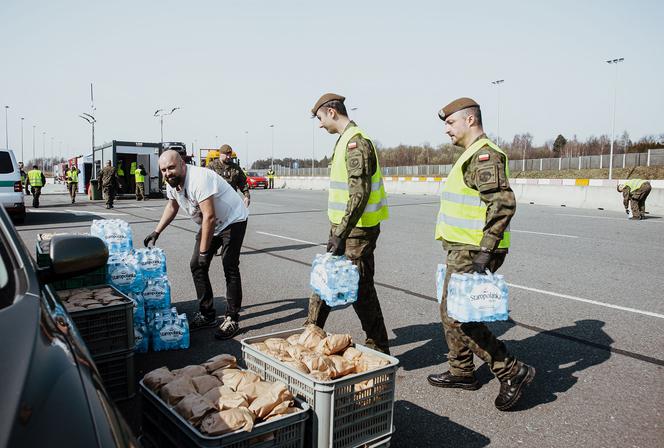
(559, 144)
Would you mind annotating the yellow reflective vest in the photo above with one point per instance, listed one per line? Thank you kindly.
(138, 175)
(634, 184)
(376, 209)
(72, 175)
(132, 168)
(120, 171)
(462, 214)
(35, 178)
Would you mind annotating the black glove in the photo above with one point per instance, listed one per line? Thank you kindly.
(151, 238)
(627, 211)
(336, 245)
(27, 192)
(202, 258)
(480, 261)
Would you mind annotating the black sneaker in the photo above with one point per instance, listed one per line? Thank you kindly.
(200, 321)
(227, 329)
(511, 390)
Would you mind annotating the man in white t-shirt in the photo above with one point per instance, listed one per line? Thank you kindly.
(222, 216)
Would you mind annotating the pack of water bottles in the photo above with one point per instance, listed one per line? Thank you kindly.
(335, 279)
(168, 330)
(141, 335)
(474, 297)
(124, 272)
(116, 233)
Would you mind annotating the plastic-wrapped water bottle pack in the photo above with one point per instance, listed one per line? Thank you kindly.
(152, 261)
(335, 279)
(116, 233)
(476, 297)
(124, 272)
(168, 330)
(141, 335)
(157, 293)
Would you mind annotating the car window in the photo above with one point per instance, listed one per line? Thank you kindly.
(253, 173)
(6, 165)
(6, 285)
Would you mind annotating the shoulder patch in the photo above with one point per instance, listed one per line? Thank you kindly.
(483, 157)
(352, 145)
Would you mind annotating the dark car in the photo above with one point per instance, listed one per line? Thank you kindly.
(254, 180)
(52, 394)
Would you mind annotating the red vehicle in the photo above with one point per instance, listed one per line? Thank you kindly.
(254, 180)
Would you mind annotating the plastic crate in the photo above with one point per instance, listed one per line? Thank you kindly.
(107, 329)
(94, 278)
(342, 417)
(118, 373)
(165, 428)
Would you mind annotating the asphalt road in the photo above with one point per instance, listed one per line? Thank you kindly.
(587, 311)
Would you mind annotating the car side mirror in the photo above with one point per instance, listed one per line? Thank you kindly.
(73, 255)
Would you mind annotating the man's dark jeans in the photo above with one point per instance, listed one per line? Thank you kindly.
(230, 240)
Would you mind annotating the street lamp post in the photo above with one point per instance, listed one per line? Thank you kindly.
(613, 123)
(34, 156)
(22, 151)
(313, 143)
(91, 121)
(161, 113)
(246, 148)
(497, 83)
(272, 156)
(6, 128)
(43, 149)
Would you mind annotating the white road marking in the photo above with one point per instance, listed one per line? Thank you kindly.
(544, 233)
(75, 212)
(592, 302)
(656, 221)
(291, 239)
(526, 288)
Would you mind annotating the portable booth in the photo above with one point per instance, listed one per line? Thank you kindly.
(126, 157)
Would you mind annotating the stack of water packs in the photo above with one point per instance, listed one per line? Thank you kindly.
(141, 275)
(335, 279)
(474, 297)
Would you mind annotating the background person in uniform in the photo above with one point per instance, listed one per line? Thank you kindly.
(270, 178)
(121, 178)
(108, 180)
(231, 172)
(477, 205)
(356, 206)
(36, 180)
(139, 177)
(217, 209)
(635, 191)
(24, 178)
(71, 176)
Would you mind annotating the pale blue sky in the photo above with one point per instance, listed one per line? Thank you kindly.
(236, 66)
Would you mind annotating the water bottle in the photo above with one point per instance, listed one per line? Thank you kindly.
(141, 338)
(152, 261)
(157, 293)
(139, 307)
(440, 281)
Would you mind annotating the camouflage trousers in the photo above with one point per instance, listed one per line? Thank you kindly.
(140, 191)
(36, 192)
(637, 200)
(466, 339)
(73, 188)
(360, 247)
(109, 195)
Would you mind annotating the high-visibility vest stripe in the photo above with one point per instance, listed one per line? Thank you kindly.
(35, 178)
(634, 184)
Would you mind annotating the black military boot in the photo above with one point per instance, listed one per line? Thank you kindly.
(446, 379)
(511, 389)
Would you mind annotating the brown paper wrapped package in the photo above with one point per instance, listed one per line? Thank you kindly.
(265, 403)
(293, 338)
(368, 362)
(205, 382)
(342, 366)
(311, 336)
(333, 344)
(351, 354)
(176, 390)
(157, 378)
(221, 372)
(220, 362)
(190, 371)
(260, 346)
(224, 398)
(230, 420)
(254, 390)
(193, 408)
(277, 344)
(239, 378)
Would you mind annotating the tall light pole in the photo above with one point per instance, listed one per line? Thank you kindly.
(161, 113)
(91, 121)
(22, 151)
(6, 128)
(246, 148)
(613, 124)
(34, 156)
(272, 156)
(497, 83)
(43, 149)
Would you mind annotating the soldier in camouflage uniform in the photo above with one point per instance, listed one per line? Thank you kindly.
(485, 171)
(231, 172)
(357, 243)
(635, 191)
(108, 181)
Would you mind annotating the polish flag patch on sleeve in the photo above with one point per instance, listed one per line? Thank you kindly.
(483, 157)
(352, 145)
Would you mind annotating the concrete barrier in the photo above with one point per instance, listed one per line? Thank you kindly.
(578, 193)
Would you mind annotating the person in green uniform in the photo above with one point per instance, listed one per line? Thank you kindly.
(24, 178)
(270, 178)
(635, 192)
(231, 172)
(357, 204)
(108, 179)
(477, 205)
(120, 175)
(36, 180)
(71, 177)
(139, 178)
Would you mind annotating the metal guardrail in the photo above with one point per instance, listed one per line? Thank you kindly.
(653, 157)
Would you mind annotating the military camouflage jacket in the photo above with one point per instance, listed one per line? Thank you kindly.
(108, 177)
(488, 178)
(361, 164)
(233, 174)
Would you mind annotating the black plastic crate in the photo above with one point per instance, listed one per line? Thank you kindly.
(107, 329)
(165, 428)
(118, 373)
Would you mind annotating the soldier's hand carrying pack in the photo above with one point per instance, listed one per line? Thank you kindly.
(475, 297)
(335, 279)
